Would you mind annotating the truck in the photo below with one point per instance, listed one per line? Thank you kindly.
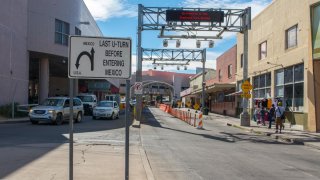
(89, 102)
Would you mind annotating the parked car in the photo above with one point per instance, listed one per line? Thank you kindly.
(56, 110)
(89, 102)
(106, 109)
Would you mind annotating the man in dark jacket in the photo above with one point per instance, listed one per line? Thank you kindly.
(271, 115)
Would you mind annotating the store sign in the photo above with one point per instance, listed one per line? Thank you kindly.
(195, 16)
(99, 57)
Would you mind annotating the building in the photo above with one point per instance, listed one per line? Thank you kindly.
(283, 60)
(34, 47)
(159, 83)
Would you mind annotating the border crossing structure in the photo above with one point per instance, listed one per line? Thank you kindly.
(213, 20)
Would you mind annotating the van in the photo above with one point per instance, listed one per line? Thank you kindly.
(89, 102)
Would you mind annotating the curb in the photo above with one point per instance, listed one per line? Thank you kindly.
(146, 164)
(277, 137)
(136, 123)
(14, 121)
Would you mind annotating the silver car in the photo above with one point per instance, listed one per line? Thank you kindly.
(56, 110)
(106, 109)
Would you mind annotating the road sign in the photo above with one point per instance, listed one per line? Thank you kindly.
(246, 86)
(196, 106)
(138, 88)
(246, 95)
(99, 57)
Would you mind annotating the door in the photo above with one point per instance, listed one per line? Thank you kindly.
(66, 109)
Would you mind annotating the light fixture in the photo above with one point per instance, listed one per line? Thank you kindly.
(162, 67)
(185, 67)
(165, 43)
(178, 43)
(178, 67)
(198, 43)
(211, 44)
(154, 66)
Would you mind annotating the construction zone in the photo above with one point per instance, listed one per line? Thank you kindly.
(194, 119)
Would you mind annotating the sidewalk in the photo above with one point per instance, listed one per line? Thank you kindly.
(288, 134)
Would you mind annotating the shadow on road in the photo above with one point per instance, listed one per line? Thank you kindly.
(22, 143)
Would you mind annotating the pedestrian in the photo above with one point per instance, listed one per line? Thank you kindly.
(279, 116)
(262, 116)
(271, 115)
(255, 114)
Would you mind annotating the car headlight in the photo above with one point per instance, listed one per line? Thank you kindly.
(52, 111)
(31, 110)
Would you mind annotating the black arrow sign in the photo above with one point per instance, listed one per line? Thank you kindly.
(91, 57)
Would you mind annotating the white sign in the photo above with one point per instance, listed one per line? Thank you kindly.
(99, 57)
(138, 88)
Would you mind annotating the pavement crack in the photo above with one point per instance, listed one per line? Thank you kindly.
(83, 152)
(53, 176)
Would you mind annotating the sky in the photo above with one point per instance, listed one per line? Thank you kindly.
(118, 18)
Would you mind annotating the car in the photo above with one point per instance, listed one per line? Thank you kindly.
(89, 102)
(106, 109)
(56, 110)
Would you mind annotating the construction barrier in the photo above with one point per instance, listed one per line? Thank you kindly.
(193, 119)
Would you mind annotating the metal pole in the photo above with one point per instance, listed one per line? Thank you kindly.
(127, 123)
(203, 78)
(245, 118)
(71, 131)
(139, 63)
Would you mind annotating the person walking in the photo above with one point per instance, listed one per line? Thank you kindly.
(262, 116)
(271, 115)
(279, 116)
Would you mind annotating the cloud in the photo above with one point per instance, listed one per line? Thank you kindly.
(103, 10)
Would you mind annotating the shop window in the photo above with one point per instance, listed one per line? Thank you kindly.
(77, 31)
(262, 86)
(289, 86)
(291, 37)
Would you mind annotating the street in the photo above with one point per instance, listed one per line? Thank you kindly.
(177, 150)
(174, 150)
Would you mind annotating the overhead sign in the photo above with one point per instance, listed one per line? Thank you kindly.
(138, 88)
(99, 57)
(246, 86)
(195, 16)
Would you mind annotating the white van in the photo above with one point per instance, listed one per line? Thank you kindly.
(89, 102)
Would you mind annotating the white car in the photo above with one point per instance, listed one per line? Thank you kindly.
(106, 109)
(56, 110)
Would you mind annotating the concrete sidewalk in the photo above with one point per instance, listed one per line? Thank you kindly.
(288, 134)
(14, 120)
(91, 161)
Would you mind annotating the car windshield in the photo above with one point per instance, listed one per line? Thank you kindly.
(86, 98)
(53, 102)
(105, 104)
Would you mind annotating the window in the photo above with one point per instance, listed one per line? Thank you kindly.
(263, 50)
(289, 86)
(122, 85)
(230, 71)
(77, 31)
(291, 37)
(262, 86)
(220, 74)
(61, 32)
(241, 60)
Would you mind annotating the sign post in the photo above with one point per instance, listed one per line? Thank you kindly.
(99, 58)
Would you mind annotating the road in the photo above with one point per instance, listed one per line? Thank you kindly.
(23, 143)
(177, 150)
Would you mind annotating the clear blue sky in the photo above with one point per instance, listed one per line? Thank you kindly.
(118, 18)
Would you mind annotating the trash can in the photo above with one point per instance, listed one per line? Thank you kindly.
(205, 111)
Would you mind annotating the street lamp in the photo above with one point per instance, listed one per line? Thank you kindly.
(211, 44)
(178, 43)
(165, 43)
(198, 43)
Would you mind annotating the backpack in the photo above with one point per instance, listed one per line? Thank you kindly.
(282, 114)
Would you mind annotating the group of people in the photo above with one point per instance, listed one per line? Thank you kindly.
(261, 115)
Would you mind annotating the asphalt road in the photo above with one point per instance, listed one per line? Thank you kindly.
(22, 143)
(177, 150)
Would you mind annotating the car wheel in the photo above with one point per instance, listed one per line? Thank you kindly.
(118, 115)
(34, 122)
(79, 117)
(113, 116)
(59, 119)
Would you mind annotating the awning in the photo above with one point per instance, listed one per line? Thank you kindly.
(216, 87)
(238, 93)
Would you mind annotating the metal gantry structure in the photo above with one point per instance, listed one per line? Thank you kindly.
(154, 19)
